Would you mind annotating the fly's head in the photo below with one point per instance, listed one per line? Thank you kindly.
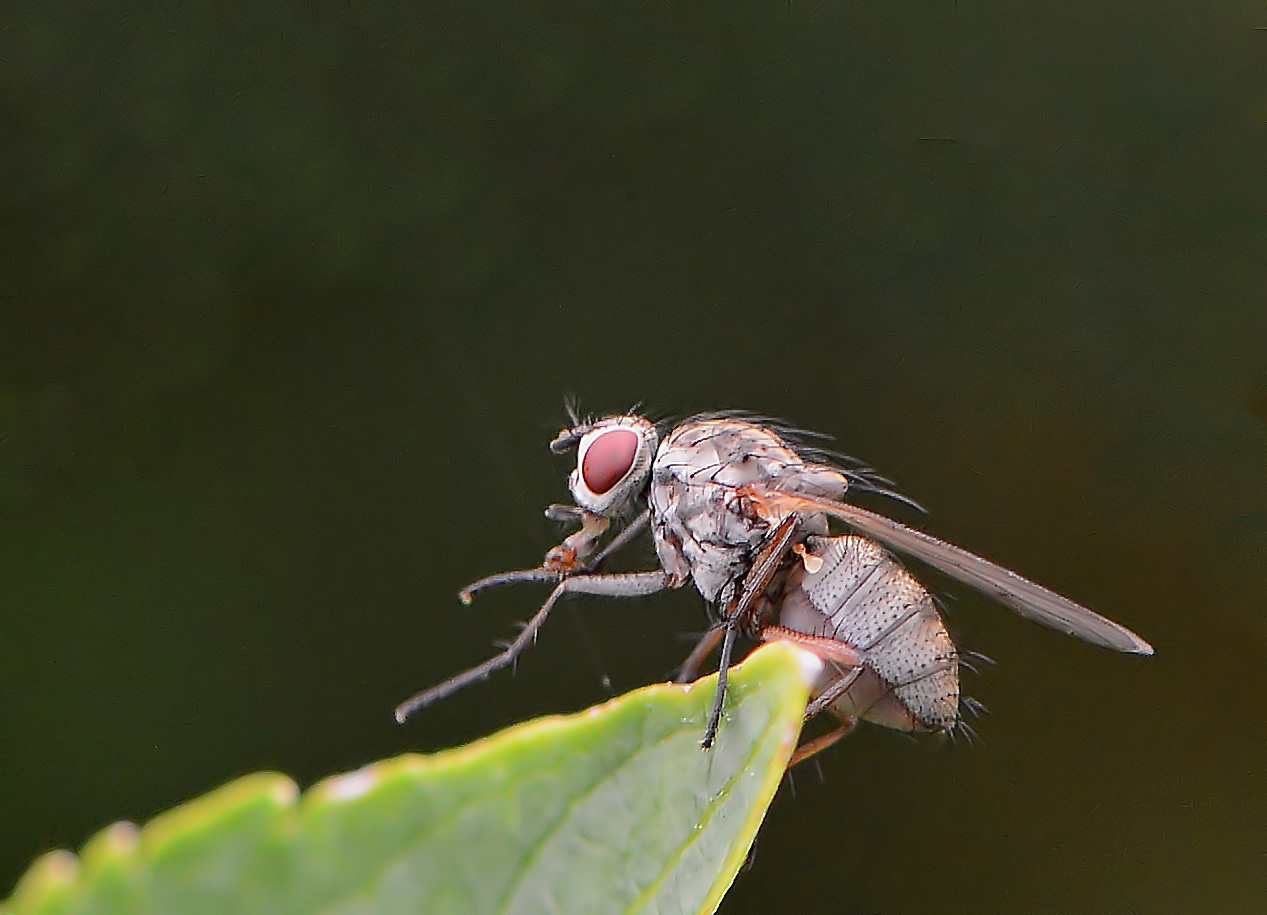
(613, 463)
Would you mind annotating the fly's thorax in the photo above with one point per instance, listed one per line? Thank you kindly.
(733, 452)
(613, 465)
(700, 521)
(701, 530)
(862, 596)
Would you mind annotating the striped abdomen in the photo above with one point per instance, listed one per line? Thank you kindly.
(861, 595)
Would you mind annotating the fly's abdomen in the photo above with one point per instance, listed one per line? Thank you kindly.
(862, 596)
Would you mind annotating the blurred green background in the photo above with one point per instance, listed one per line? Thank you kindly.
(289, 303)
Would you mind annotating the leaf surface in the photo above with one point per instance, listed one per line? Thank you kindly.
(616, 809)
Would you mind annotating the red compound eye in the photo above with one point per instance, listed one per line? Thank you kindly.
(608, 459)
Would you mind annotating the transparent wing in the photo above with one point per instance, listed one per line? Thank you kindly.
(1030, 599)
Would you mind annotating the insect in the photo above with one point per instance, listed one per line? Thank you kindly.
(739, 505)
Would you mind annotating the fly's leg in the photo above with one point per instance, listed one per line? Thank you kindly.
(554, 572)
(632, 530)
(828, 696)
(727, 646)
(828, 649)
(618, 543)
(569, 555)
(631, 584)
(562, 560)
(689, 670)
(819, 744)
(755, 582)
(467, 594)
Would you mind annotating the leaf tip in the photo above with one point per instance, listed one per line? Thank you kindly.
(810, 664)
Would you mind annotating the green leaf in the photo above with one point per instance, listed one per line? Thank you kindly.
(616, 809)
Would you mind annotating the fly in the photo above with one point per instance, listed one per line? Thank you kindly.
(740, 506)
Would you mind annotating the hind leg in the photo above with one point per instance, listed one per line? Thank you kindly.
(819, 744)
(689, 671)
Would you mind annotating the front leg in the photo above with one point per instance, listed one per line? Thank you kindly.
(570, 555)
(628, 584)
(557, 564)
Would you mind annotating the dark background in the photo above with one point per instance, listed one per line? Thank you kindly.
(289, 303)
